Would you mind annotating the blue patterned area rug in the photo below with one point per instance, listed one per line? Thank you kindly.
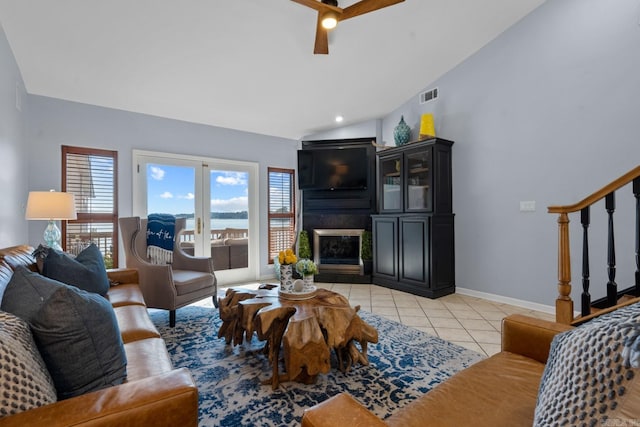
(404, 364)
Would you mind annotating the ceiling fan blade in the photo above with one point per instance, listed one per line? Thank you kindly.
(365, 6)
(322, 40)
(319, 6)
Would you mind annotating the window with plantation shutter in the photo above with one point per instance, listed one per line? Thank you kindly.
(91, 175)
(281, 210)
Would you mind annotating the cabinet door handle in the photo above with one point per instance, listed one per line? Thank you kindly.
(199, 226)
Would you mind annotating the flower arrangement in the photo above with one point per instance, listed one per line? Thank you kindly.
(287, 257)
(306, 267)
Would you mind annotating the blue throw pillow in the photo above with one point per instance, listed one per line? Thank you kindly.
(76, 332)
(86, 271)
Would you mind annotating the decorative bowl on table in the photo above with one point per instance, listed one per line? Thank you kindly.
(299, 291)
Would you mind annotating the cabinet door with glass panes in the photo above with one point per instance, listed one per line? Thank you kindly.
(418, 180)
(391, 183)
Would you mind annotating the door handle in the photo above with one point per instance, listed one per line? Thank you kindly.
(199, 226)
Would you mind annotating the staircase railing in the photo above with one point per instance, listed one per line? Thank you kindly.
(564, 304)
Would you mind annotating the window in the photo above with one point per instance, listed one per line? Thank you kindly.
(92, 176)
(281, 210)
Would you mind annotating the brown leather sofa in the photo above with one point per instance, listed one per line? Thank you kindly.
(499, 391)
(153, 394)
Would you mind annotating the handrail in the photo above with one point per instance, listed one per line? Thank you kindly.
(598, 195)
(564, 303)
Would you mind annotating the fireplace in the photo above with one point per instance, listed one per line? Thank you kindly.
(338, 250)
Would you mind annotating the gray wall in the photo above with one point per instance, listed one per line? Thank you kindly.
(366, 129)
(13, 173)
(549, 111)
(54, 122)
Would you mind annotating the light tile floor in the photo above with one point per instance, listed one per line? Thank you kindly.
(471, 322)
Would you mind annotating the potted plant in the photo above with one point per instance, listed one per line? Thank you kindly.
(304, 248)
(366, 252)
(307, 269)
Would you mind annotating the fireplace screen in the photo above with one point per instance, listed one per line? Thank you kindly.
(338, 250)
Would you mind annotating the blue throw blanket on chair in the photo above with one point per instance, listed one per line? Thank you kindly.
(160, 235)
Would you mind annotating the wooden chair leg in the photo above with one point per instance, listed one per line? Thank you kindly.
(172, 318)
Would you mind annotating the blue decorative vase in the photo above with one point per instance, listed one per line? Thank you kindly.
(402, 132)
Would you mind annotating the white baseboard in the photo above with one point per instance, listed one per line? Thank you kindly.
(507, 300)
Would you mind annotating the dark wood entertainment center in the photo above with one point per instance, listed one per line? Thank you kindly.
(413, 232)
(407, 205)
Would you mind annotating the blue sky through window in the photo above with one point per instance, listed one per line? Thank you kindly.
(171, 189)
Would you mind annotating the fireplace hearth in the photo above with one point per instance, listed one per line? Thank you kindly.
(338, 251)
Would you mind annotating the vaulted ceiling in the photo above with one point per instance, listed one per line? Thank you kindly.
(245, 64)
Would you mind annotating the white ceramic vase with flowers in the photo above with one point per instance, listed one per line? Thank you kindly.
(287, 260)
(307, 269)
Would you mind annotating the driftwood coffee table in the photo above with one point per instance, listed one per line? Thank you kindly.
(307, 330)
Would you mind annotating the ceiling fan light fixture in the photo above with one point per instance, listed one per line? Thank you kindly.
(329, 20)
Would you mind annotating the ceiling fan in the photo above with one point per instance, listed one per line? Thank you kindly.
(329, 14)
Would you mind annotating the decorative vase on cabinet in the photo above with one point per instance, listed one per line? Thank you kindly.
(402, 132)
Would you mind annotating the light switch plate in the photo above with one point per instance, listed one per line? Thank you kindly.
(528, 206)
(18, 97)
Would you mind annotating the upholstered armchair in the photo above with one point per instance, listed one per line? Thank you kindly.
(167, 286)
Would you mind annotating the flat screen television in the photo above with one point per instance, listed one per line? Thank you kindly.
(333, 169)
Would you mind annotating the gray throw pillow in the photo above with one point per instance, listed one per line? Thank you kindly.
(76, 332)
(86, 271)
(586, 379)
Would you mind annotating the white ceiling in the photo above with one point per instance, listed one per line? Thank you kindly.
(245, 64)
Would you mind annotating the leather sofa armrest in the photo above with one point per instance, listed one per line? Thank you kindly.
(170, 399)
(340, 410)
(119, 276)
(529, 336)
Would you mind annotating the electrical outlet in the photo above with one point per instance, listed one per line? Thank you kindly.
(528, 206)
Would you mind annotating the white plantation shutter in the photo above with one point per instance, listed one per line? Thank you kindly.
(282, 213)
(91, 175)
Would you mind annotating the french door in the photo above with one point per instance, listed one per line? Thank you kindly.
(217, 197)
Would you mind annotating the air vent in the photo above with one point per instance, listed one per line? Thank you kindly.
(429, 95)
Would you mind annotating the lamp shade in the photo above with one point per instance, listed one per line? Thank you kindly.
(47, 205)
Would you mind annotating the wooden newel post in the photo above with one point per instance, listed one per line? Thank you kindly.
(564, 304)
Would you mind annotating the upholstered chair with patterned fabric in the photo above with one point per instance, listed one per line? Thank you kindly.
(167, 286)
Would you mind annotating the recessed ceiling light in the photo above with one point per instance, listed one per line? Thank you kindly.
(339, 119)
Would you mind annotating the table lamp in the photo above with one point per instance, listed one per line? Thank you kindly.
(51, 206)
